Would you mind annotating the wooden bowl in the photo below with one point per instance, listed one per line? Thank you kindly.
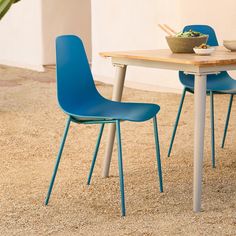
(185, 45)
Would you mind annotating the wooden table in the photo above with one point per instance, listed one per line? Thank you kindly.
(199, 66)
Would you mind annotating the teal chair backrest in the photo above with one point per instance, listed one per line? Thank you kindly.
(205, 29)
(74, 78)
(213, 81)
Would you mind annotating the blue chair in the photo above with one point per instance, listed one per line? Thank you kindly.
(220, 83)
(80, 100)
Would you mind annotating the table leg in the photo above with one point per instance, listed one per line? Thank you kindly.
(116, 96)
(199, 127)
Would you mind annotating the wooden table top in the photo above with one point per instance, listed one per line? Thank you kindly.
(220, 56)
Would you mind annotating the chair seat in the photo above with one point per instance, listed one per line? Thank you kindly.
(220, 83)
(107, 109)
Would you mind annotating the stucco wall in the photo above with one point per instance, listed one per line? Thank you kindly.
(29, 29)
(21, 35)
(132, 24)
(65, 17)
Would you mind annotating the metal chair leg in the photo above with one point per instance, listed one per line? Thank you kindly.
(95, 154)
(58, 160)
(122, 192)
(177, 121)
(212, 130)
(158, 156)
(227, 120)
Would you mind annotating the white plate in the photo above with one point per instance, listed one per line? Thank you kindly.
(204, 51)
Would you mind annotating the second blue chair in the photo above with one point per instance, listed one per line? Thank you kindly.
(227, 118)
(80, 100)
(220, 83)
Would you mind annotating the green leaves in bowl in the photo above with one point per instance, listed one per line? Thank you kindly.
(189, 34)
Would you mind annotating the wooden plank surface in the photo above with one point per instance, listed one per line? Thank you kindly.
(220, 56)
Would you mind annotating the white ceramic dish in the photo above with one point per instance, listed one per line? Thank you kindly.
(230, 44)
(204, 51)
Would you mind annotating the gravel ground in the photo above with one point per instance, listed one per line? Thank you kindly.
(31, 125)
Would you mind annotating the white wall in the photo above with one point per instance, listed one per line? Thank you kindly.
(132, 24)
(29, 29)
(21, 35)
(65, 17)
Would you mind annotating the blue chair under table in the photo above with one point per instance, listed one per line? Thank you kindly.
(221, 83)
(80, 100)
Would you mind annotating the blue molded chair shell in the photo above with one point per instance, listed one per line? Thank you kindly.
(76, 91)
